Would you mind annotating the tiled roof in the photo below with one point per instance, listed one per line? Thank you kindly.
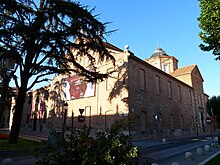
(183, 70)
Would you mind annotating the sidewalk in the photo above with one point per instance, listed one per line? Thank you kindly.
(34, 135)
(22, 160)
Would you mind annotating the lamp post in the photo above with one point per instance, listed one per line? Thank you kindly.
(65, 106)
(89, 114)
(6, 71)
(72, 117)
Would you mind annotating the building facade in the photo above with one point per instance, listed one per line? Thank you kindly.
(157, 98)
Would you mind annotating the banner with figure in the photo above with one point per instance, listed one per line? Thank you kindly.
(75, 88)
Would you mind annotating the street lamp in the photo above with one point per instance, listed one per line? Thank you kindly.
(72, 117)
(65, 106)
(7, 69)
(89, 114)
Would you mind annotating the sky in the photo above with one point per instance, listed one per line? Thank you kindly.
(145, 25)
(170, 24)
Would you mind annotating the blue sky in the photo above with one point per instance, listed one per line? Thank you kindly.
(169, 24)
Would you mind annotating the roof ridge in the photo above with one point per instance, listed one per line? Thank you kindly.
(183, 70)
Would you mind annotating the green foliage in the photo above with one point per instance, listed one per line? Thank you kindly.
(22, 144)
(214, 160)
(214, 104)
(110, 147)
(210, 24)
(213, 108)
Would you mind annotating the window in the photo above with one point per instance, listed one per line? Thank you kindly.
(198, 87)
(111, 79)
(166, 68)
(27, 118)
(44, 117)
(190, 97)
(169, 87)
(178, 93)
(160, 119)
(199, 100)
(158, 89)
(144, 122)
(171, 121)
(182, 121)
(202, 100)
(142, 79)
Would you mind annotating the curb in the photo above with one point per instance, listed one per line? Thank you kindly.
(206, 160)
(34, 138)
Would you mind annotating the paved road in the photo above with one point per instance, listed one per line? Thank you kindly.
(174, 150)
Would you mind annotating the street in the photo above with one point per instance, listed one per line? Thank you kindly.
(174, 150)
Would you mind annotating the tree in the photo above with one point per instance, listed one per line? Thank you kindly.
(44, 36)
(213, 107)
(210, 24)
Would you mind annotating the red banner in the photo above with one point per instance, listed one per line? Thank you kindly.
(75, 87)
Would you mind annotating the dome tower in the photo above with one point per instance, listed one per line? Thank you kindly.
(162, 61)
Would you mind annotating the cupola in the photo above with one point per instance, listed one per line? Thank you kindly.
(163, 61)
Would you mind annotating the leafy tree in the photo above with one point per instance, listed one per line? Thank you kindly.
(210, 24)
(213, 107)
(79, 148)
(43, 36)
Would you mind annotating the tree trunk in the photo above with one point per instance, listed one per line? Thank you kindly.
(17, 116)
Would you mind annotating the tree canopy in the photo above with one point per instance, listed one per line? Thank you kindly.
(213, 108)
(210, 25)
(42, 35)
